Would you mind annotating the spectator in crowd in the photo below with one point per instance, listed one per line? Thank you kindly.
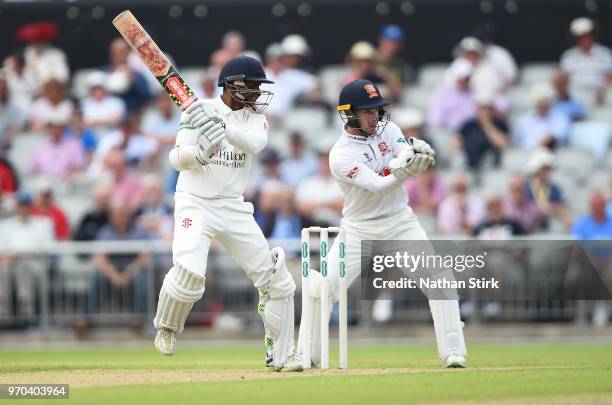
(127, 186)
(11, 118)
(564, 103)
(487, 132)
(98, 217)
(461, 212)
(588, 64)
(425, 192)
(42, 60)
(291, 82)
(160, 127)
(233, 43)
(46, 207)
(294, 49)
(101, 111)
(520, 208)
(485, 77)
(8, 177)
(53, 102)
(497, 225)
(496, 56)
(118, 272)
(123, 81)
(364, 65)
(595, 225)
(453, 104)
(542, 126)
(155, 216)
(77, 130)
(136, 147)
(300, 164)
(266, 189)
(319, 198)
(542, 191)
(23, 238)
(60, 156)
(287, 222)
(208, 85)
(22, 89)
(388, 53)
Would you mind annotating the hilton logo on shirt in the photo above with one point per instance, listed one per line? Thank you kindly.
(229, 158)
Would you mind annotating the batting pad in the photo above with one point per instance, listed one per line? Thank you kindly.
(181, 288)
(276, 309)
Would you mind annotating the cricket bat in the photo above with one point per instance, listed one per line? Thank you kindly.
(158, 64)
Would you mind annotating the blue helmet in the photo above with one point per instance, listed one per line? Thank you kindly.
(362, 95)
(237, 77)
(242, 68)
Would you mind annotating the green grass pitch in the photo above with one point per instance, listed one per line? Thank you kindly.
(378, 374)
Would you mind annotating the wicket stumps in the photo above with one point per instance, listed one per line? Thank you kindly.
(325, 304)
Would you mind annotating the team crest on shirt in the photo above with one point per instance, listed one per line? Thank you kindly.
(352, 173)
(371, 90)
(383, 148)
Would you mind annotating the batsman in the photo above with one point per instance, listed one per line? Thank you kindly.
(370, 161)
(215, 145)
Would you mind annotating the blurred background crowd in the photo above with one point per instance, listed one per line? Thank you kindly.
(521, 150)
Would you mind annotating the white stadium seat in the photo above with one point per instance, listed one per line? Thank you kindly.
(537, 72)
(432, 74)
(330, 78)
(417, 97)
(305, 120)
(514, 160)
(22, 151)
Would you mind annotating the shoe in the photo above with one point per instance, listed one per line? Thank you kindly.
(455, 361)
(165, 341)
(293, 364)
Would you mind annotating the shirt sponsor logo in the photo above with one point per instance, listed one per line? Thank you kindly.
(383, 148)
(352, 173)
(229, 158)
(401, 140)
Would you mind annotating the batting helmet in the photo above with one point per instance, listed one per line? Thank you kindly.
(362, 95)
(242, 68)
(242, 77)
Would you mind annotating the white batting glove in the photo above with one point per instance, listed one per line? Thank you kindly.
(421, 146)
(414, 160)
(210, 136)
(199, 113)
